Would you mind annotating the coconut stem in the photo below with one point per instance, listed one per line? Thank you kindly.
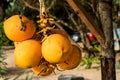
(22, 24)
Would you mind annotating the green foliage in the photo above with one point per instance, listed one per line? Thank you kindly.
(3, 68)
(117, 64)
(117, 2)
(87, 62)
(28, 77)
(13, 8)
(96, 45)
(3, 39)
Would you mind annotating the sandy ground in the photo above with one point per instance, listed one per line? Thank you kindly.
(88, 74)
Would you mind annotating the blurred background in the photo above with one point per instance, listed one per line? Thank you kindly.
(65, 19)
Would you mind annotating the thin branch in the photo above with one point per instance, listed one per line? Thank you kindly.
(61, 21)
(28, 5)
(57, 24)
(51, 5)
(69, 14)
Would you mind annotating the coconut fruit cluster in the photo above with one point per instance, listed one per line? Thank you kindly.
(43, 51)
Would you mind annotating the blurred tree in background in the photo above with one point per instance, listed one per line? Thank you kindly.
(65, 18)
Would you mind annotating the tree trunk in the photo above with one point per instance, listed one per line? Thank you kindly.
(108, 53)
